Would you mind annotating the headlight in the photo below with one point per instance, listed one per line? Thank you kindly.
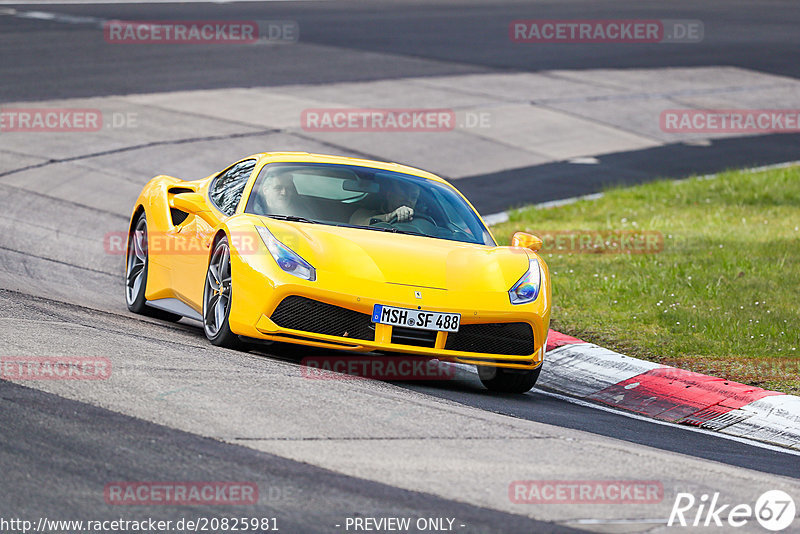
(286, 258)
(527, 288)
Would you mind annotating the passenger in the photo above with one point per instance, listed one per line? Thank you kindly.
(279, 196)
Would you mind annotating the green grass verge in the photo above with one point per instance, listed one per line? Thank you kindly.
(722, 296)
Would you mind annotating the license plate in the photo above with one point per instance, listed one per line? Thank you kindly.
(424, 320)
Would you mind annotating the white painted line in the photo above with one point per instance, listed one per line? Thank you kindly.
(63, 17)
(502, 216)
(616, 521)
(565, 201)
(751, 170)
(58, 17)
(102, 2)
(496, 218)
(36, 15)
(585, 160)
(631, 415)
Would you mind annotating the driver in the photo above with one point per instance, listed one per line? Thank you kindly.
(279, 195)
(400, 200)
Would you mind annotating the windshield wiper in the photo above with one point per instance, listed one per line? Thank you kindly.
(380, 229)
(293, 218)
(363, 227)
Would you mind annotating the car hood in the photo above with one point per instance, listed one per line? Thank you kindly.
(403, 259)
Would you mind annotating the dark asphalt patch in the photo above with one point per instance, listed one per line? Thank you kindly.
(59, 454)
(494, 192)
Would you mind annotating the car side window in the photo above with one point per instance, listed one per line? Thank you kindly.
(227, 188)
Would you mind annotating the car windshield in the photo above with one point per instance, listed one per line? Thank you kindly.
(367, 198)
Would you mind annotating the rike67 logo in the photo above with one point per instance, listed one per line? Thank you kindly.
(774, 510)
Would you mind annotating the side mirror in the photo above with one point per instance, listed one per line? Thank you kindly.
(521, 239)
(195, 204)
(189, 202)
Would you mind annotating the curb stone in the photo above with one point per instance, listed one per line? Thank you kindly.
(593, 373)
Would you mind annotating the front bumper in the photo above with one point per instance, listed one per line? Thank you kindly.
(257, 298)
(310, 322)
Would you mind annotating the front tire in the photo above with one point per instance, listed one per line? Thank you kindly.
(503, 380)
(217, 298)
(136, 265)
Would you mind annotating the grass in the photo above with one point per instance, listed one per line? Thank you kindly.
(721, 297)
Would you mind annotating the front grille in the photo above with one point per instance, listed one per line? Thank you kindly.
(492, 338)
(301, 313)
(413, 336)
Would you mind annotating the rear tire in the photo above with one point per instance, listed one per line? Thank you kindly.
(502, 380)
(217, 295)
(136, 264)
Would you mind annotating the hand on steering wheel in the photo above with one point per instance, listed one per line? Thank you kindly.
(401, 214)
(417, 217)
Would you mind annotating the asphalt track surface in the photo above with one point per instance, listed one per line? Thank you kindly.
(422, 39)
(91, 446)
(430, 38)
(60, 445)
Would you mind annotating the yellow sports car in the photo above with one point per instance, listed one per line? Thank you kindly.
(344, 254)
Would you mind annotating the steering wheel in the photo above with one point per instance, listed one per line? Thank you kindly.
(393, 220)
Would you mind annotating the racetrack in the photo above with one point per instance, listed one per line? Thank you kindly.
(176, 408)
